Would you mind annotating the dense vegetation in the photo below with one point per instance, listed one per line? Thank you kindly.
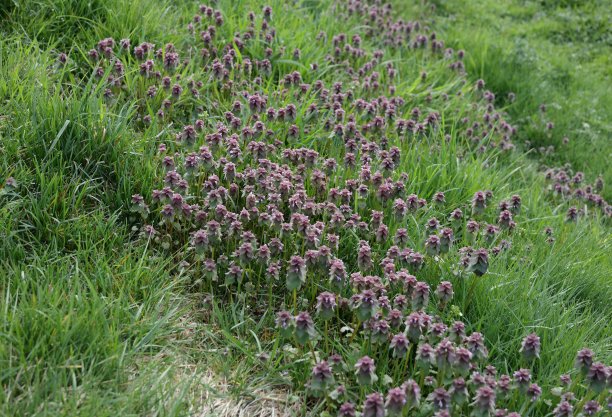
(305, 208)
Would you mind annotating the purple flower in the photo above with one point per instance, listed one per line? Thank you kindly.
(177, 90)
(321, 377)
(285, 323)
(432, 225)
(478, 262)
(572, 214)
(479, 380)
(597, 376)
(446, 239)
(505, 219)
(395, 318)
(522, 378)
(472, 226)
(396, 401)
(463, 360)
(347, 410)
(479, 202)
(563, 409)
(210, 269)
(326, 305)
(504, 385)
(591, 408)
(440, 399)
(414, 326)
(456, 215)
(304, 328)
(189, 134)
(401, 237)
(584, 360)
(515, 204)
(475, 344)
(413, 393)
(399, 344)
(336, 362)
(420, 296)
(171, 60)
(148, 231)
(380, 331)
(400, 301)
(432, 245)
(366, 371)
(296, 273)
(444, 292)
(565, 380)
(267, 13)
(534, 392)
(484, 400)
(374, 405)
(167, 211)
(459, 391)
(93, 54)
(444, 354)
(199, 241)
(530, 348)
(439, 198)
(425, 356)
(10, 184)
(337, 273)
(233, 275)
(366, 305)
(457, 332)
(364, 256)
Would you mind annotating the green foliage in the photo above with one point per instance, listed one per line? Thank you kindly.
(93, 322)
(555, 53)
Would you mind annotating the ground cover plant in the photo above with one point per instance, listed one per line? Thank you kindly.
(288, 208)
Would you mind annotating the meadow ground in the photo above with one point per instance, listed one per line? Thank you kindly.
(323, 170)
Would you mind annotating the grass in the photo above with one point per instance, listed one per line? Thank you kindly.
(96, 322)
(555, 53)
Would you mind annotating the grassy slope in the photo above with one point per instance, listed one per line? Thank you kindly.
(553, 52)
(92, 325)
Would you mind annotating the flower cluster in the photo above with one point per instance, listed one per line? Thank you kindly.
(440, 369)
(571, 187)
(240, 189)
(282, 192)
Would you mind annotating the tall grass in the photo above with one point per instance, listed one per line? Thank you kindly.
(540, 51)
(94, 323)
